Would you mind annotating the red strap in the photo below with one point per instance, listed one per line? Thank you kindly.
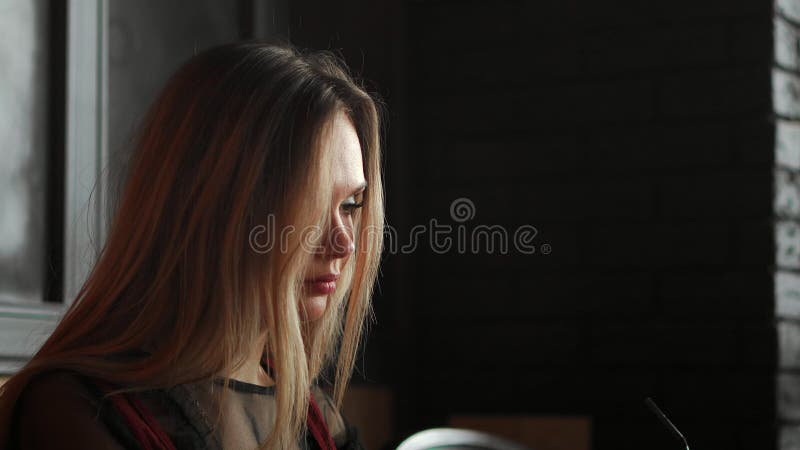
(141, 422)
(319, 429)
(314, 421)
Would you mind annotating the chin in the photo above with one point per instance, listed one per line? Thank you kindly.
(314, 307)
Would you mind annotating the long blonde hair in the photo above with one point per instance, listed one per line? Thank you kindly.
(229, 151)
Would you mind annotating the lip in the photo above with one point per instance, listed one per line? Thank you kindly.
(327, 278)
(323, 285)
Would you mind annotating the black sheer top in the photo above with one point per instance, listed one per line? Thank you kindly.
(63, 410)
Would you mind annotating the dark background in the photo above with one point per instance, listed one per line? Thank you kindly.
(637, 137)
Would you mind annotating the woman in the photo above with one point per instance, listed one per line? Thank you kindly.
(238, 267)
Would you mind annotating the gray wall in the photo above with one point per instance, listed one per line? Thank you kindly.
(148, 41)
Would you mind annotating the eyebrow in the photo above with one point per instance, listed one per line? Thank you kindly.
(360, 187)
(357, 189)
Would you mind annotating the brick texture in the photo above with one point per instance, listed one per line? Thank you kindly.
(786, 205)
(637, 138)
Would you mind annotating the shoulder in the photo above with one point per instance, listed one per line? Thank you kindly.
(58, 409)
(345, 436)
(58, 384)
(54, 392)
(333, 417)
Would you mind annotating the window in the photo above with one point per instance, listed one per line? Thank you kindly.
(52, 193)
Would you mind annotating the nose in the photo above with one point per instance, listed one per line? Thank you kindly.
(340, 242)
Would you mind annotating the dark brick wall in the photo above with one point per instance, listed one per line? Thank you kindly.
(786, 104)
(637, 138)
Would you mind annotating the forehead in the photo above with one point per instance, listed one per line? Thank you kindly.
(345, 152)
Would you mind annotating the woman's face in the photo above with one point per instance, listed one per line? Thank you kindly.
(338, 239)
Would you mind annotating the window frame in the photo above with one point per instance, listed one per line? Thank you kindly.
(24, 323)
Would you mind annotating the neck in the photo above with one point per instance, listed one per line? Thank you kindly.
(251, 371)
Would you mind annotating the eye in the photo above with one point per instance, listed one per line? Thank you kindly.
(350, 205)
